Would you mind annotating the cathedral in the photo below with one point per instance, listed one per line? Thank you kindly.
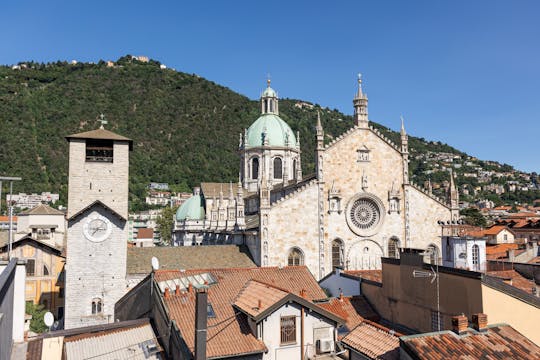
(358, 207)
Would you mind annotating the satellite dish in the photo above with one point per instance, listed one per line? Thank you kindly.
(155, 263)
(48, 318)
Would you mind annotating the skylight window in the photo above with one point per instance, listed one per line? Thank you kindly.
(210, 311)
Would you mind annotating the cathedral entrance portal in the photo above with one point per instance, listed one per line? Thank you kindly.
(364, 255)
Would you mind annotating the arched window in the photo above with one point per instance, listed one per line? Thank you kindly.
(433, 253)
(296, 257)
(97, 306)
(393, 248)
(337, 253)
(294, 169)
(255, 168)
(476, 257)
(278, 169)
(45, 270)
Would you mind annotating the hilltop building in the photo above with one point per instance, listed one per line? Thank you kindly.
(359, 206)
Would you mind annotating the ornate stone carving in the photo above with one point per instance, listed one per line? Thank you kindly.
(365, 214)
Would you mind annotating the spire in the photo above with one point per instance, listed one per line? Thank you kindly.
(404, 137)
(453, 195)
(231, 193)
(298, 139)
(102, 121)
(319, 132)
(360, 103)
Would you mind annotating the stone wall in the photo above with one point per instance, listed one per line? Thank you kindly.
(94, 270)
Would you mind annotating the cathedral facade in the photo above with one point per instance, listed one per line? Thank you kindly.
(358, 207)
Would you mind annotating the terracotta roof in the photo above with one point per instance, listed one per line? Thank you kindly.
(494, 230)
(497, 342)
(145, 233)
(255, 297)
(373, 275)
(5, 218)
(228, 332)
(188, 257)
(514, 278)
(374, 341)
(42, 209)
(100, 134)
(352, 309)
(495, 249)
(34, 349)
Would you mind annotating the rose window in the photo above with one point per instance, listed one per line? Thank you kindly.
(364, 213)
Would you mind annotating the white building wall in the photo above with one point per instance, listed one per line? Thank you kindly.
(314, 325)
(336, 283)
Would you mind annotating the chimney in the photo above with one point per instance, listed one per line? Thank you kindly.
(201, 323)
(303, 293)
(340, 295)
(190, 288)
(259, 304)
(166, 293)
(177, 290)
(459, 324)
(479, 322)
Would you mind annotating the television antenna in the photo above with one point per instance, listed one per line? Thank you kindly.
(434, 275)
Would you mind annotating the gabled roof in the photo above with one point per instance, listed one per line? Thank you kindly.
(96, 203)
(373, 341)
(270, 299)
(499, 341)
(228, 332)
(494, 230)
(42, 209)
(354, 310)
(36, 243)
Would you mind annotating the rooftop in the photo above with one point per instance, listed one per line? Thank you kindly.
(42, 209)
(373, 341)
(373, 275)
(188, 257)
(497, 342)
(228, 332)
(354, 310)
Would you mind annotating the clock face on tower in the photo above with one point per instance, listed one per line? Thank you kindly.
(97, 228)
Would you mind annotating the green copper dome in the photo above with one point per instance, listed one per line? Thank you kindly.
(269, 92)
(276, 130)
(192, 209)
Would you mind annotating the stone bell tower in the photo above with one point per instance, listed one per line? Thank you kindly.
(97, 228)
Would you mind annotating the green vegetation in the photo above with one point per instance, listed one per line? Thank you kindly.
(185, 128)
(165, 223)
(37, 324)
(473, 216)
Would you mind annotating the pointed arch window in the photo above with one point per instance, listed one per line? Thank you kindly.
(296, 257)
(278, 168)
(97, 306)
(433, 253)
(255, 168)
(337, 253)
(393, 248)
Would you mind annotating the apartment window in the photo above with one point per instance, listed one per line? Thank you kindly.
(436, 321)
(30, 267)
(97, 306)
(288, 330)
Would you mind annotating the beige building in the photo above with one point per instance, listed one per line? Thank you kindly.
(410, 295)
(359, 206)
(43, 223)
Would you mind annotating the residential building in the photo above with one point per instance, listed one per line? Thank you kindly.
(161, 198)
(28, 201)
(424, 297)
(44, 272)
(145, 238)
(43, 223)
(253, 313)
(464, 252)
(4, 223)
(143, 219)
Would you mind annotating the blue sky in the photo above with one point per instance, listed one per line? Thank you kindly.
(462, 72)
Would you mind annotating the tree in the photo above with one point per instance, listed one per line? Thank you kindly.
(37, 324)
(473, 216)
(165, 223)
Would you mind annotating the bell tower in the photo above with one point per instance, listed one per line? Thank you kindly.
(97, 229)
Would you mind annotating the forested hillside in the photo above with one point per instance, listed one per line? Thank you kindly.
(185, 128)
